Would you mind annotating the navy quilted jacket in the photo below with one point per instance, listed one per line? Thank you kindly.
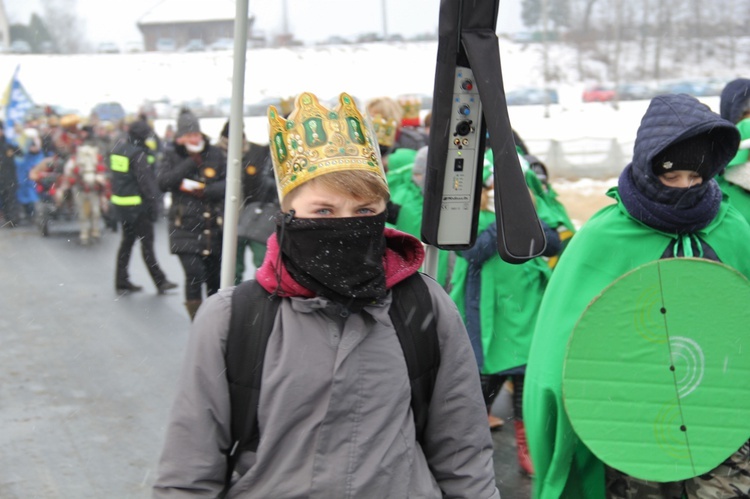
(734, 98)
(673, 117)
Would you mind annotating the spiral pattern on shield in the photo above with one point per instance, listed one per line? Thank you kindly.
(689, 363)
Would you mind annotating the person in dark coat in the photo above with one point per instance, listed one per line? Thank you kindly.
(134, 197)
(8, 179)
(194, 172)
(260, 201)
(735, 179)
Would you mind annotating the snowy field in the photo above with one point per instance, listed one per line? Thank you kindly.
(365, 71)
(370, 70)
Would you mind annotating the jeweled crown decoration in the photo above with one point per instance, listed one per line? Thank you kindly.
(410, 107)
(315, 140)
(385, 130)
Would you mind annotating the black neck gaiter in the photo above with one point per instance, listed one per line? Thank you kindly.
(337, 258)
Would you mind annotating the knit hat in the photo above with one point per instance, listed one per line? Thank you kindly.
(139, 131)
(691, 154)
(735, 98)
(187, 123)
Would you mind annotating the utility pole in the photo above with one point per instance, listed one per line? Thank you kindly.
(233, 190)
(285, 22)
(385, 18)
(545, 57)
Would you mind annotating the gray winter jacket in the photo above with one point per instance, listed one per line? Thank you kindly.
(335, 416)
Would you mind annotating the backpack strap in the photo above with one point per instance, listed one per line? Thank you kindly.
(253, 313)
(414, 320)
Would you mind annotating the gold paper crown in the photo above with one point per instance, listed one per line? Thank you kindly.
(385, 130)
(411, 107)
(314, 141)
(286, 106)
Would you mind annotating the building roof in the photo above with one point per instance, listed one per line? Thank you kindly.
(186, 11)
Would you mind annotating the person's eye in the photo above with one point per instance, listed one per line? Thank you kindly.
(323, 211)
(366, 211)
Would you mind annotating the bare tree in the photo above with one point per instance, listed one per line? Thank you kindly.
(585, 35)
(619, 18)
(696, 32)
(645, 32)
(64, 25)
(661, 24)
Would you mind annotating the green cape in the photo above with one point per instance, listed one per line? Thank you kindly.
(742, 155)
(409, 196)
(508, 304)
(549, 209)
(738, 197)
(610, 244)
(400, 164)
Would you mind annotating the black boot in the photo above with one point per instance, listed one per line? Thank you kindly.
(165, 286)
(125, 287)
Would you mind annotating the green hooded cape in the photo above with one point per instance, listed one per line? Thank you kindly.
(549, 209)
(408, 194)
(508, 304)
(610, 244)
(400, 164)
(738, 197)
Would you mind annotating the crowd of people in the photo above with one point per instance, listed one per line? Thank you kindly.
(339, 370)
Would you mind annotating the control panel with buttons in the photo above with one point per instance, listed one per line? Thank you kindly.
(464, 161)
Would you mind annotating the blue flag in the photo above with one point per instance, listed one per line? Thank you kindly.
(17, 104)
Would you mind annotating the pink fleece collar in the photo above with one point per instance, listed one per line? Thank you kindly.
(404, 255)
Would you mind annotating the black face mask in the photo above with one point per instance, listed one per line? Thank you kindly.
(337, 258)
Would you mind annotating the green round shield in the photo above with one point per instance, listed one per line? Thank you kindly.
(656, 380)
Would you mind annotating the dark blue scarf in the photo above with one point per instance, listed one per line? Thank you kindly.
(669, 209)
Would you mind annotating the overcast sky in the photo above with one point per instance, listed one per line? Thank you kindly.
(115, 20)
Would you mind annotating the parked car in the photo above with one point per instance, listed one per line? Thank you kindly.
(599, 93)
(222, 44)
(165, 45)
(260, 108)
(108, 111)
(107, 48)
(714, 86)
(635, 91)
(133, 47)
(160, 108)
(194, 45)
(47, 47)
(696, 88)
(531, 96)
(20, 47)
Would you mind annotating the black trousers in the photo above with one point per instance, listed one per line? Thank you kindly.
(9, 202)
(491, 385)
(143, 229)
(198, 270)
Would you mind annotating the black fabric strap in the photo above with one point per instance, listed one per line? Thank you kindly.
(252, 317)
(414, 321)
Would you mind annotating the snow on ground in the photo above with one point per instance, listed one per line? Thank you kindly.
(365, 71)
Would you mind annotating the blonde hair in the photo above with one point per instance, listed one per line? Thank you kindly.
(359, 184)
(385, 107)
